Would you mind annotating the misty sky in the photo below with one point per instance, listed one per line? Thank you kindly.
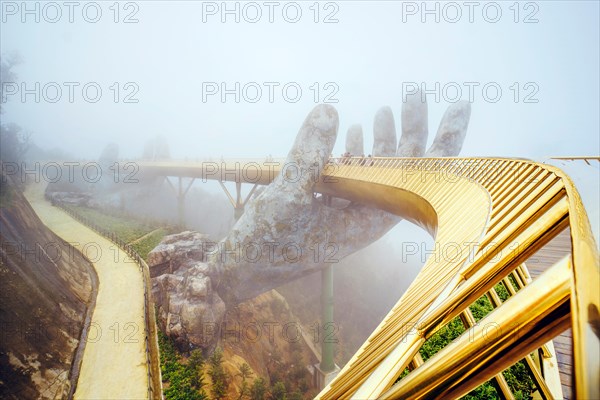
(367, 59)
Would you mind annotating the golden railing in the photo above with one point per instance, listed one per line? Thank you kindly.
(494, 213)
(510, 209)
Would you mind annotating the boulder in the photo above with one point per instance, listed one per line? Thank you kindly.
(189, 310)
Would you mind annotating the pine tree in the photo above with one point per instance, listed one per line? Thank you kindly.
(279, 392)
(195, 363)
(258, 389)
(218, 375)
(245, 373)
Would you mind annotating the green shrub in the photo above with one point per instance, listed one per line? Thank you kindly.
(147, 244)
(184, 380)
(258, 391)
(517, 376)
(220, 381)
(278, 392)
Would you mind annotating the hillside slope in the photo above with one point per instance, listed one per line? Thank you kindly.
(45, 290)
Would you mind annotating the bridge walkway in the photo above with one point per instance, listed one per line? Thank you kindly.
(114, 359)
(549, 255)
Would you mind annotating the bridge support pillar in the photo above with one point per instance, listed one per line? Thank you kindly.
(324, 378)
(181, 211)
(238, 208)
(180, 193)
(238, 203)
(326, 370)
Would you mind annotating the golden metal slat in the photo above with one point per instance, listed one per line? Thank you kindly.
(483, 279)
(523, 190)
(469, 321)
(515, 228)
(507, 175)
(509, 286)
(468, 361)
(536, 375)
(494, 181)
(513, 186)
(540, 383)
(537, 198)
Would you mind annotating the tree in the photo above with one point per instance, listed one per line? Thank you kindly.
(109, 155)
(279, 392)
(298, 370)
(195, 363)
(184, 380)
(14, 142)
(245, 373)
(7, 74)
(218, 375)
(13, 146)
(258, 389)
(296, 396)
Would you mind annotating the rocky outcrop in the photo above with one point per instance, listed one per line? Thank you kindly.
(71, 198)
(264, 333)
(68, 192)
(45, 289)
(188, 308)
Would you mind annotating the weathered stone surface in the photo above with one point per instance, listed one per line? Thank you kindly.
(179, 248)
(73, 198)
(354, 140)
(414, 126)
(384, 133)
(183, 293)
(452, 131)
(286, 232)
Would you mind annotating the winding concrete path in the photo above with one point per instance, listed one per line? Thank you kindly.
(114, 360)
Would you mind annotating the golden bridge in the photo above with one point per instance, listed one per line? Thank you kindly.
(493, 214)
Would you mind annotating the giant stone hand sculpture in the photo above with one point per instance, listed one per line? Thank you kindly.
(285, 231)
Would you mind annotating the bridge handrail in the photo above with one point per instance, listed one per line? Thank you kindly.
(584, 256)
